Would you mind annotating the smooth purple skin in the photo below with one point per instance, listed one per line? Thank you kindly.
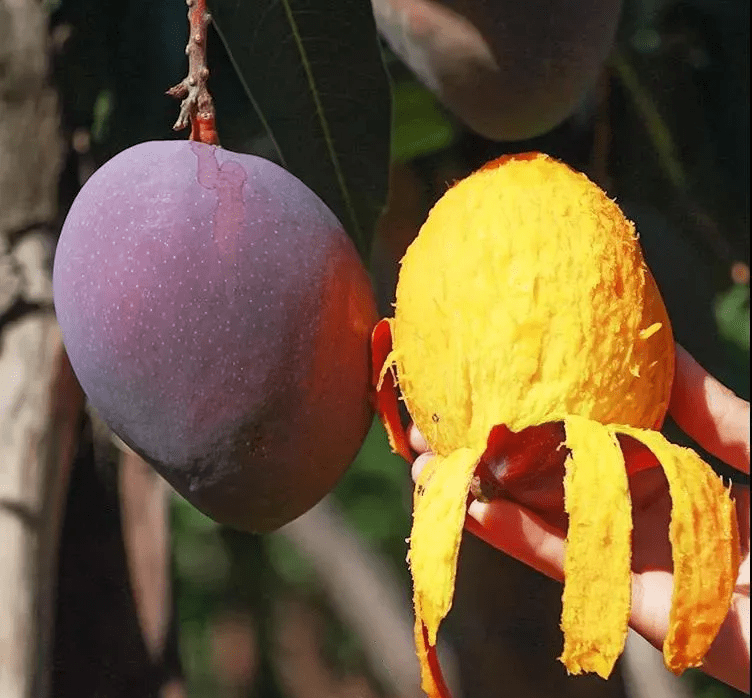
(218, 318)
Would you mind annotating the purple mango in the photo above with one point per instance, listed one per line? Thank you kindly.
(218, 318)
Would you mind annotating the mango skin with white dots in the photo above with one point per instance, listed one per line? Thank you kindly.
(217, 316)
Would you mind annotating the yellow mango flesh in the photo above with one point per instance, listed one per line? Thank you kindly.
(522, 301)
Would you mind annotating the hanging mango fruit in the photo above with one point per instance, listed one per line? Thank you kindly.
(524, 301)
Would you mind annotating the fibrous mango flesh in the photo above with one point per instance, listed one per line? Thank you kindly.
(524, 300)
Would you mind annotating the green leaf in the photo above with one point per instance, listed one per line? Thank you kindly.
(313, 71)
(420, 126)
(732, 314)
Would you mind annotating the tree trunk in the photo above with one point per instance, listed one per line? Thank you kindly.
(41, 422)
(40, 400)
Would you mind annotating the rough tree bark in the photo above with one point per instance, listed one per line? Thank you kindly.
(40, 401)
(41, 424)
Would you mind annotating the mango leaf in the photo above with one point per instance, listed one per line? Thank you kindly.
(313, 71)
(419, 127)
(732, 313)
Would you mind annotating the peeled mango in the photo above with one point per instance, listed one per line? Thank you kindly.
(525, 304)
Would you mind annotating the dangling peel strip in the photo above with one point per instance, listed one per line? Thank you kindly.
(597, 561)
(705, 549)
(439, 508)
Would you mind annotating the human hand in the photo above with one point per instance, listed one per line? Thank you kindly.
(534, 534)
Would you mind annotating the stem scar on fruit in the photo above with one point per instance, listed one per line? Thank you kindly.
(545, 345)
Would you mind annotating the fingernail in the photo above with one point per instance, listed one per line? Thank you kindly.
(419, 463)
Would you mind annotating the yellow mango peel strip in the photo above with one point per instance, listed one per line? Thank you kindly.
(597, 559)
(439, 508)
(704, 539)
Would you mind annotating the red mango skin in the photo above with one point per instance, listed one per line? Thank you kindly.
(528, 467)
